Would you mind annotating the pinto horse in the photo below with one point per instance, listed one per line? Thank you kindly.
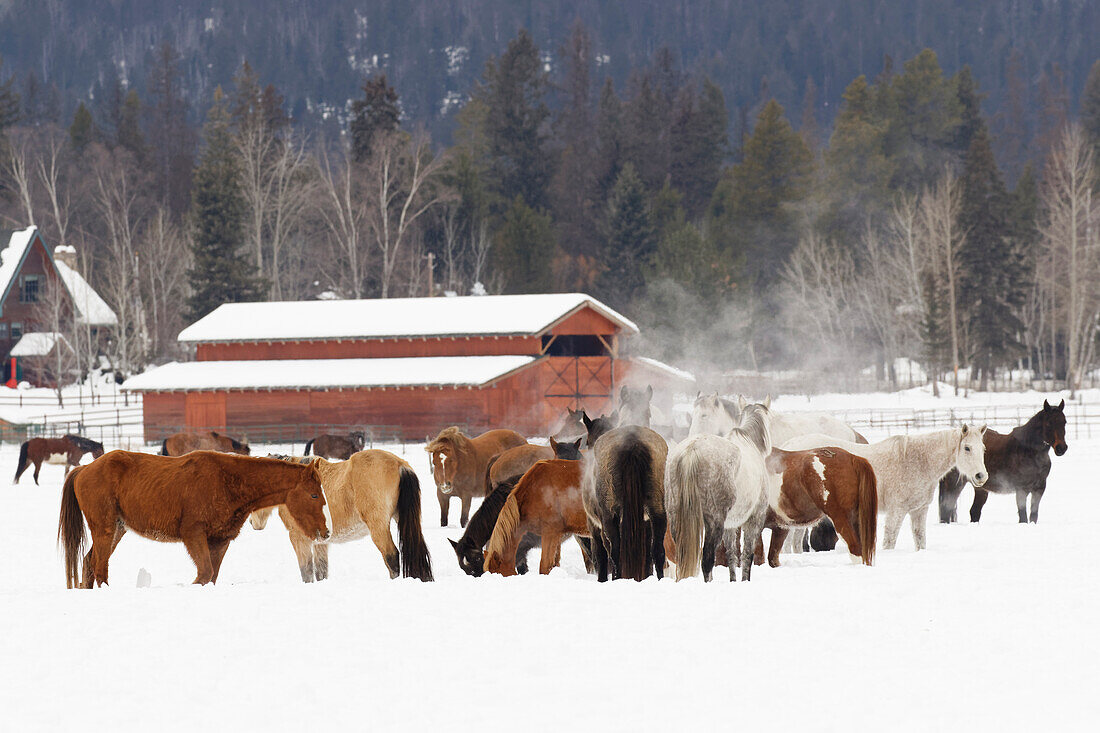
(459, 465)
(546, 502)
(1018, 462)
(182, 443)
(623, 493)
(336, 447)
(808, 485)
(365, 493)
(200, 499)
(68, 450)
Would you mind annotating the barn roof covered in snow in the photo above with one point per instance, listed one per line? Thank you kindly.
(486, 315)
(429, 371)
(37, 343)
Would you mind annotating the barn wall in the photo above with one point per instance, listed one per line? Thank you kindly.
(37, 262)
(585, 322)
(164, 413)
(370, 348)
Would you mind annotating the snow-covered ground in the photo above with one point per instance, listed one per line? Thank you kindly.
(992, 628)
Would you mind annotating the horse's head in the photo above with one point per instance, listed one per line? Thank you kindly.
(445, 459)
(970, 455)
(634, 405)
(1052, 427)
(359, 439)
(567, 451)
(307, 506)
(258, 519)
(709, 416)
(599, 426)
(470, 559)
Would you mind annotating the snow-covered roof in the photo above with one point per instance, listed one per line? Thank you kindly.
(12, 254)
(466, 371)
(666, 368)
(93, 310)
(37, 344)
(487, 315)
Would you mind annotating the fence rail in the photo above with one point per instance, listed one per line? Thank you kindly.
(1082, 421)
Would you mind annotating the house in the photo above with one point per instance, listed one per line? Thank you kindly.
(282, 370)
(27, 267)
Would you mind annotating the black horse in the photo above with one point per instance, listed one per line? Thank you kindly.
(1017, 463)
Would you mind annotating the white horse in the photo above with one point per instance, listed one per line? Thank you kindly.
(908, 469)
(716, 486)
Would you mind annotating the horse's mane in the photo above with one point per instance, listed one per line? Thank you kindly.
(753, 426)
(291, 459)
(480, 528)
(83, 443)
(452, 436)
(506, 525)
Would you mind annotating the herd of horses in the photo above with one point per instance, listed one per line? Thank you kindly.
(633, 500)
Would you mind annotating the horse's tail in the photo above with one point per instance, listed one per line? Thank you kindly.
(506, 527)
(22, 466)
(488, 472)
(868, 510)
(70, 530)
(415, 560)
(687, 536)
(633, 473)
(308, 446)
(164, 447)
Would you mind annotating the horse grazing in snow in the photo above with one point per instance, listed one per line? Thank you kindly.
(182, 443)
(514, 462)
(1018, 462)
(907, 468)
(68, 450)
(715, 487)
(459, 465)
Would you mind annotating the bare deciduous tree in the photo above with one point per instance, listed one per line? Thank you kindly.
(344, 214)
(943, 238)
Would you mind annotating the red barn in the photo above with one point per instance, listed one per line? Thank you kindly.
(279, 370)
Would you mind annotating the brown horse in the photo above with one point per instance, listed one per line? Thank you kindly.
(546, 502)
(183, 443)
(459, 465)
(336, 447)
(68, 450)
(365, 493)
(200, 499)
(824, 482)
(514, 462)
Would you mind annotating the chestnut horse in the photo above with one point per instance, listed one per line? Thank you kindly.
(68, 450)
(459, 464)
(808, 485)
(514, 462)
(183, 443)
(546, 502)
(336, 447)
(200, 499)
(365, 493)
(469, 547)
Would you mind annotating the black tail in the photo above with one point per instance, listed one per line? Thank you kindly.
(164, 447)
(70, 530)
(308, 446)
(19, 469)
(415, 561)
(633, 475)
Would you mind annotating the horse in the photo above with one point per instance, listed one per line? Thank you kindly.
(471, 558)
(597, 427)
(514, 462)
(716, 486)
(365, 493)
(546, 502)
(907, 468)
(623, 494)
(807, 485)
(1018, 462)
(182, 443)
(68, 450)
(459, 465)
(336, 447)
(200, 499)
(571, 426)
(634, 406)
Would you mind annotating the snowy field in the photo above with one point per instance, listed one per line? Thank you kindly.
(995, 627)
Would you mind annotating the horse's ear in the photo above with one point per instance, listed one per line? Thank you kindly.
(577, 443)
(553, 444)
(698, 394)
(1062, 405)
(742, 403)
(966, 429)
(982, 429)
(1046, 406)
(649, 391)
(768, 401)
(453, 544)
(622, 393)
(585, 420)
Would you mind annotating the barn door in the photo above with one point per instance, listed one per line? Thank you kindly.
(578, 382)
(205, 410)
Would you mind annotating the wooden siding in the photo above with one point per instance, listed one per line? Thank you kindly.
(586, 321)
(37, 262)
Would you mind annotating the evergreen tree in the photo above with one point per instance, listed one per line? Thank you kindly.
(375, 115)
(128, 134)
(925, 116)
(934, 331)
(9, 101)
(970, 109)
(525, 249)
(253, 104)
(221, 272)
(629, 241)
(170, 137)
(699, 145)
(609, 139)
(82, 132)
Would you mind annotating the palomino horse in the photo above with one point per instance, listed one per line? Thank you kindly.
(201, 499)
(716, 487)
(1018, 463)
(183, 443)
(808, 485)
(623, 493)
(336, 447)
(514, 462)
(68, 450)
(469, 547)
(365, 493)
(908, 467)
(546, 502)
(459, 465)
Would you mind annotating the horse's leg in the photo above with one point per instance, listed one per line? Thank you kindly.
(918, 520)
(730, 541)
(779, 536)
(217, 554)
(752, 528)
(845, 527)
(980, 495)
(711, 536)
(599, 552)
(198, 547)
(87, 576)
(104, 543)
(586, 552)
(37, 468)
(303, 550)
(320, 560)
(1021, 504)
(466, 501)
(1036, 497)
(380, 534)
(660, 523)
(611, 531)
(891, 530)
(444, 506)
(951, 486)
(758, 551)
(529, 541)
(551, 547)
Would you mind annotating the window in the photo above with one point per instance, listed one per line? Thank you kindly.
(28, 288)
(3, 332)
(16, 331)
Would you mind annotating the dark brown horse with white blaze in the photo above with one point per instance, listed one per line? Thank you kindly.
(68, 450)
(812, 484)
(183, 443)
(201, 499)
(459, 465)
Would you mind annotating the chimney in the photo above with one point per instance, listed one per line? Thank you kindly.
(67, 254)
